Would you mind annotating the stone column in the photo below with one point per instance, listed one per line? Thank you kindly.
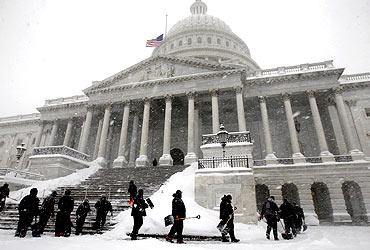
(190, 156)
(104, 135)
(142, 161)
(68, 135)
(39, 134)
(326, 156)
(135, 125)
(121, 159)
(215, 112)
(97, 139)
(86, 131)
(240, 109)
(54, 132)
(354, 152)
(297, 156)
(338, 203)
(337, 129)
(166, 159)
(270, 156)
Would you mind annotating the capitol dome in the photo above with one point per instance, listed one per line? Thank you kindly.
(206, 37)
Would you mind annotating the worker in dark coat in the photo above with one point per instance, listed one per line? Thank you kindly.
(138, 211)
(271, 212)
(28, 208)
(287, 213)
(102, 206)
(47, 211)
(132, 190)
(63, 222)
(81, 213)
(179, 215)
(4, 193)
(299, 218)
(227, 218)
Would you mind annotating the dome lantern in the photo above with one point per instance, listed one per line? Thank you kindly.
(198, 8)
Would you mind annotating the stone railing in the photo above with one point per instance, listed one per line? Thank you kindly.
(232, 137)
(355, 78)
(293, 69)
(65, 100)
(61, 150)
(18, 118)
(314, 160)
(219, 162)
(20, 174)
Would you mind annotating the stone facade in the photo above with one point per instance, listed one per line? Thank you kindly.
(160, 107)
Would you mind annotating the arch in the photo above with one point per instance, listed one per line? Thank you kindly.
(177, 156)
(262, 193)
(322, 202)
(354, 201)
(289, 191)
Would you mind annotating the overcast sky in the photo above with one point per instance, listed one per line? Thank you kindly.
(51, 49)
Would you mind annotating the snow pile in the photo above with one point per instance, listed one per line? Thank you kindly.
(162, 199)
(46, 187)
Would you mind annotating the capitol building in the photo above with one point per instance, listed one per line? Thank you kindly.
(308, 125)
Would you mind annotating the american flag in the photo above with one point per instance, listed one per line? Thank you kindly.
(154, 42)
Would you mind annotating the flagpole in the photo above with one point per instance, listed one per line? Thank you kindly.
(165, 31)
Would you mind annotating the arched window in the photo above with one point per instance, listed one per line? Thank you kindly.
(219, 41)
(189, 41)
(227, 43)
(209, 40)
(180, 43)
(172, 45)
(199, 39)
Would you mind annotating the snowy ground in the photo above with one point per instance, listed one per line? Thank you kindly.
(252, 236)
(337, 238)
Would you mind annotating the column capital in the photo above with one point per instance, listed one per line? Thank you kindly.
(238, 89)
(310, 93)
(146, 99)
(168, 98)
(126, 102)
(351, 102)
(286, 96)
(338, 90)
(190, 95)
(214, 92)
(262, 99)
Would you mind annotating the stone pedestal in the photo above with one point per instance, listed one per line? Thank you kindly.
(120, 162)
(166, 160)
(212, 184)
(142, 161)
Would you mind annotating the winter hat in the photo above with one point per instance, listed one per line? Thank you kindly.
(272, 197)
(229, 197)
(6, 185)
(33, 191)
(54, 193)
(177, 194)
(86, 201)
(67, 192)
(140, 192)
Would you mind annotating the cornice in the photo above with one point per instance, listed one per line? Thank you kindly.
(63, 106)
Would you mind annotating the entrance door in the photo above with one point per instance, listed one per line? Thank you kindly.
(177, 156)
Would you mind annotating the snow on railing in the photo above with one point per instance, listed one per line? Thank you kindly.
(65, 100)
(17, 118)
(355, 77)
(232, 137)
(293, 69)
(220, 162)
(61, 150)
(20, 174)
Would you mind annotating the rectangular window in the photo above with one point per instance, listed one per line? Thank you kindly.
(367, 112)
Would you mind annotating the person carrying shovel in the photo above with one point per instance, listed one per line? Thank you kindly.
(226, 225)
(179, 214)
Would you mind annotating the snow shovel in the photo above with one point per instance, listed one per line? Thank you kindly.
(222, 227)
(169, 219)
(285, 235)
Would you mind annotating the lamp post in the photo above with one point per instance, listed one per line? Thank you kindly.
(222, 138)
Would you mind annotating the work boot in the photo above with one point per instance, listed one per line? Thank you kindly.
(267, 236)
(180, 242)
(169, 238)
(235, 240)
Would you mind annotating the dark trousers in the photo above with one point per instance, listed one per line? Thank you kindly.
(101, 217)
(2, 203)
(43, 221)
(138, 222)
(79, 224)
(177, 228)
(298, 224)
(289, 225)
(229, 229)
(271, 224)
(63, 224)
(25, 220)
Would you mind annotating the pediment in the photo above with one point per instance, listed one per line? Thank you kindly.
(156, 68)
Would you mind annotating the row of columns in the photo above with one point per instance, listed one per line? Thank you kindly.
(297, 156)
(166, 160)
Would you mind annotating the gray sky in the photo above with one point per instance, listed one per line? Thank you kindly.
(51, 49)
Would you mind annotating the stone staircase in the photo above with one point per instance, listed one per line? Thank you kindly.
(111, 182)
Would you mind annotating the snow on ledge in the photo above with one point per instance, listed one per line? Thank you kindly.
(46, 187)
